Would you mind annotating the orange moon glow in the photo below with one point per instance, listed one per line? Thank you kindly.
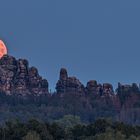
(3, 49)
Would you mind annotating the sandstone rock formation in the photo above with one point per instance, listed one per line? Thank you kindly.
(67, 84)
(128, 88)
(107, 88)
(17, 78)
(94, 88)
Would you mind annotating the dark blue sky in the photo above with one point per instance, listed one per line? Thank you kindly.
(93, 39)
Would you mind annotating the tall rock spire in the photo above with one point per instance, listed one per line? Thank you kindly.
(63, 74)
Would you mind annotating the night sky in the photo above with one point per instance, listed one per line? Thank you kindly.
(93, 39)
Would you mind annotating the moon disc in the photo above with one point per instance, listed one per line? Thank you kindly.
(3, 49)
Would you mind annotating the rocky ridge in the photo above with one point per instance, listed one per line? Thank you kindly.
(16, 77)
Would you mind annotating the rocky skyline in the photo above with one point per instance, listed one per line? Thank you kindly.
(17, 77)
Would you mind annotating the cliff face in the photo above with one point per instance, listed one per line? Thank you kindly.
(89, 102)
(16, 77)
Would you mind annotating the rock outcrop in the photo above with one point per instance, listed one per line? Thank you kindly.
(67, 84)
(128, 88)
(17, 78)
(108, 89)
(94, 88)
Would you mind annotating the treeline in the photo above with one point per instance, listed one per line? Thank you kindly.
(125, 106)
(68, 128)
(50, 108)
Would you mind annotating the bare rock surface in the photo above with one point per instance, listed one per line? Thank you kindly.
(16, 77)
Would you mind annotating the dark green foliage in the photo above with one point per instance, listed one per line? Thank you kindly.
(32, 136)
(100, 130)
(56, 131)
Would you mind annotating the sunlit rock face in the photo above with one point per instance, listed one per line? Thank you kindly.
(17, 78)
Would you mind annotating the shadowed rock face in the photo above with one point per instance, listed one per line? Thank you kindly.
(63, 74)
(127, 88)
(107, 88)
(17, 78)
(94, 88)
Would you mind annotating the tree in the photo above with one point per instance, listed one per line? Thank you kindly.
(68, 121)
(56, 131)
(119, 136)
(32, 135)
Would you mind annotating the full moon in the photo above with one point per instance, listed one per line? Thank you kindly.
(3, 49)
